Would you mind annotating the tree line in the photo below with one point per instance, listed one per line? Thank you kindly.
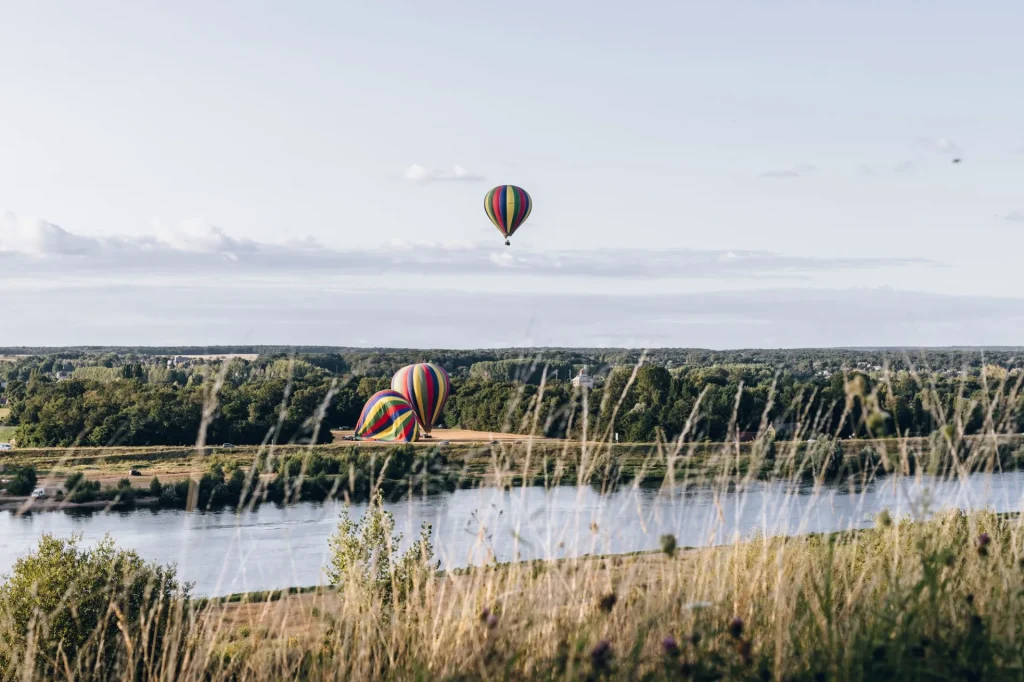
(133, 400)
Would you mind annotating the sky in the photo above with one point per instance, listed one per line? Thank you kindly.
(731, 174)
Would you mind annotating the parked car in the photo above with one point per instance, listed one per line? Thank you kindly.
(134, 472)
(39, 493)
(444, 442)
(227, 445)
(4, 447)
(348, 437)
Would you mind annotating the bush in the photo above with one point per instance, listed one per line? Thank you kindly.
(155, 489)
(23, 482)
(825, 458)
(367, 552)
(72, 480)
(85, 491)
(66, 606)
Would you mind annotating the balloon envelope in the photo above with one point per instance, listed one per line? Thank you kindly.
(508, 207)
(387, 416)
(426, 386)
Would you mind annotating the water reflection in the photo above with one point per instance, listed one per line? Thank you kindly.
(272, 547)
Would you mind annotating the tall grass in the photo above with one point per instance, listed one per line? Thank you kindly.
(936, 596)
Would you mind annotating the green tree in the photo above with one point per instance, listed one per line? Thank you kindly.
(63, 605)
(366, 553)
(23, 482)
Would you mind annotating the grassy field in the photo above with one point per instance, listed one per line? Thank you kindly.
(937, 600)
(923, 598)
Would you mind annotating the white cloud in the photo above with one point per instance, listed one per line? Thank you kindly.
(1015, 216)
(1019, 149)
(418, 174)
(34, 237)
(796, 171)
(939, 145)
(36, 248)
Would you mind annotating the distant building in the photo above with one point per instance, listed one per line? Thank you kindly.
(583, 380)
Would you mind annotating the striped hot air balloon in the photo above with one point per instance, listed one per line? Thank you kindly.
(508, 207)
(427, 387)
(387, 415)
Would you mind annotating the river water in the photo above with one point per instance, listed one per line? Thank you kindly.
(273, 547)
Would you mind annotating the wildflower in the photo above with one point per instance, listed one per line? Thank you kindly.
(607, 602)
(668, 545)
(983, 542)
(670, 646)
(492, 621)
(601, 654)
(736, 628)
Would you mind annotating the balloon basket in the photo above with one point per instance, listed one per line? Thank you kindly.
(507, 243)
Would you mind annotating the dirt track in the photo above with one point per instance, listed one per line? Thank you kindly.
(464, 436)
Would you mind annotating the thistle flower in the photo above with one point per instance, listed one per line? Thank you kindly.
(736, 628)
(607, 602)
(601, 654)
(670, 646)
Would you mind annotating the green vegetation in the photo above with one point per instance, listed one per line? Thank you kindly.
(99, 613)
(926, 600)
(104, 399)
(935, 599)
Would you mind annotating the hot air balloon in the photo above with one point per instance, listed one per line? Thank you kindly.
(508, 207)
(387, 415)
(427, 387)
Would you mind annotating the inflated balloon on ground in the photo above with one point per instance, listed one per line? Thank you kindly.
(426, 386)
(387, 416)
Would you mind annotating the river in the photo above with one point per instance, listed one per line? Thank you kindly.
(273, 547)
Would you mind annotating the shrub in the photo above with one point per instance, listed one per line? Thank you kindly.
(73, 480)
(367, 552)
(63, 608)
(85, 491)
(155, 489)
(23, 482)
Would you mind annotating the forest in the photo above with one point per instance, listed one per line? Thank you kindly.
(95, 397)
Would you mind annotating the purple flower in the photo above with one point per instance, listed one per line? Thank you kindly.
(601, 653)
(492, 621)
(736, 628)
(670, 646)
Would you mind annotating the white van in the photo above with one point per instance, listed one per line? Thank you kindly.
(39, 492)
(4, 447)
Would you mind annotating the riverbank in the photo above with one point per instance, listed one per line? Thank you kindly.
(515, 461)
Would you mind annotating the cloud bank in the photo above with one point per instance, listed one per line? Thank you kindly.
(31, 247)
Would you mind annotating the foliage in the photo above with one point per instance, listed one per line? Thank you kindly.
(22, 482)
(365, 554)
(67, 608)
